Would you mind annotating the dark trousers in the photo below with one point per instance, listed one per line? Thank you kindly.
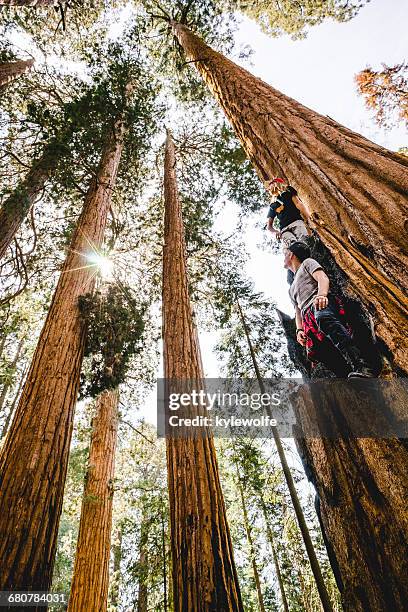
(328, 322)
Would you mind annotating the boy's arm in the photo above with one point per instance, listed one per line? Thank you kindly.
(271, 227)
(300, 334)
(305, 212)
(323, 286)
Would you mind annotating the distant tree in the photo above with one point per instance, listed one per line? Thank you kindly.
(11, 70)
(89, 590)
(204, 573)
(385, 92)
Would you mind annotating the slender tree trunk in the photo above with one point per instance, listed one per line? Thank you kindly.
(250, 541)
(90, 582)
(11, 70)
(164, 553)
(34, 459)
(13, 365)
(204, 574)
(13, 404)
(354, 189)
(19, 203)
(3, 344)
(116, 574)
(314, 563)
(142, 602)
(274, 554)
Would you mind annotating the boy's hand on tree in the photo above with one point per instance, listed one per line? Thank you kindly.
(301, 337)
(320, 302)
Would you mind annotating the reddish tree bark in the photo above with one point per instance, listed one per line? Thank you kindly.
(204, 574)
(354, 189)
(33, 461)
(11, 70)
(362, 486)
(90, 582)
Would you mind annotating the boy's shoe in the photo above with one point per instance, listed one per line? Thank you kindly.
(363, 372)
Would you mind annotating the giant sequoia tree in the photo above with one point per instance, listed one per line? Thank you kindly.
(89, 589)
(34, 458)
(204, 574)
(354, 188)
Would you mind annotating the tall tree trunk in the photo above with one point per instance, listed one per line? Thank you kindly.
(314, 563)
(13, 365)
(11, 70)
(89, 588)
(34, 459)
(164, 553)
(19, 203)
(13, 404)
(204, 574)
(250, 541)
(274, 553)
(354, 189)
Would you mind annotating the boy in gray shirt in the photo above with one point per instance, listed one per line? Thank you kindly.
(310, 292)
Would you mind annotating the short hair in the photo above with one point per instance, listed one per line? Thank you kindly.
(300, 250)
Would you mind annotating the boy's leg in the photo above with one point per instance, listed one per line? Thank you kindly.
(329, 323)
(294, 232)
(299, 229)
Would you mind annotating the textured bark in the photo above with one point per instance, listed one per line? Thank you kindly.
(354, 189)
(90, 582)
(34, 459)
(19, 203)
(11, 70)
(203, 571)
(362, 485)
(274, 554)
(250, 543)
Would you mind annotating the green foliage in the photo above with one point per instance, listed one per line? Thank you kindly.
(295, 18)
(114, 323)
(66, 24)
(240, 179)
(7, 53)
